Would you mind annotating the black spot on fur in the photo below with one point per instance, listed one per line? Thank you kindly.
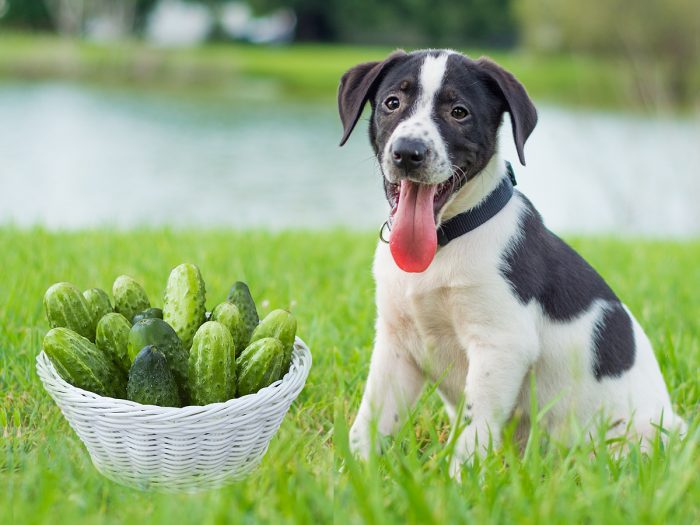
(383, 122)
(540, 266)
(613, 343)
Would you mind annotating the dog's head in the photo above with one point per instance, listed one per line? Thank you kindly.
(434, 125)
(435, 115)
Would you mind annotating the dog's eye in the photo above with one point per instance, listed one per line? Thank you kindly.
(459, 113)
(392, 103)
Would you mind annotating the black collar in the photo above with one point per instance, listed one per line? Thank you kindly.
(478, 215)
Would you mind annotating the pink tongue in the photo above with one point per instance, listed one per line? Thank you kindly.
(413, 236)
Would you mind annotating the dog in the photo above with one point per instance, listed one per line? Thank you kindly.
(473, 292)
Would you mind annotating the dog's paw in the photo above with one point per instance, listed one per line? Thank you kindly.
(462, 458)
(456, 469)
(360, 443)
(467, 447)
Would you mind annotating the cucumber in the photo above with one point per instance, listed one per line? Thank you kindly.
(259, 365)
(240, 296)
(160, 334)
(150, 380)
(229, 316)
(129, 297)
(148, 313)
(79, 362)
(112, 339)
(184, 303)
(212, 365)
(281, 325)
(98, 303)
(66, 307)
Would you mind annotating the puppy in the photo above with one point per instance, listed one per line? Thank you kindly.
(472, 290)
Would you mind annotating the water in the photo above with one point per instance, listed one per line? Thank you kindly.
(74, 157)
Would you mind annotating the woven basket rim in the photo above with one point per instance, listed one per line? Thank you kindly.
(298, 371)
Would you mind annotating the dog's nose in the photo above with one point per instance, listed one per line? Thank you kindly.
(408, 153)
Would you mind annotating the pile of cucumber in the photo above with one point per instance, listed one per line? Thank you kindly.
(178, 356)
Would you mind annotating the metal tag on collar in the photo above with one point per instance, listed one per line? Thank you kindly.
(511, 173)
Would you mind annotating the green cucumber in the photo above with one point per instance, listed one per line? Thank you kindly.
(66, 307)
(112, 338)
(259, 365)
(160, 334)
(98, 303)
(212, 365)
(229, 316)
(184, 302)
(148, 313)
(151, 381)
(240, 296)
(79, 362)
(281, 325)
(129, 297)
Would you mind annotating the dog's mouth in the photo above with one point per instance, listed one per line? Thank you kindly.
(443, 192)
(414, 213)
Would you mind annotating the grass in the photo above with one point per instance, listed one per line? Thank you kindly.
(308, 475)
(298, 71)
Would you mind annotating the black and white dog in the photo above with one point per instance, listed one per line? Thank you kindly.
(472, 290)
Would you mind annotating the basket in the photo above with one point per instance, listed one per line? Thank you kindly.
(177, 449)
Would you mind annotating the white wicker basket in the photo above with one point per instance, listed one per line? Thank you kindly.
(177, 449)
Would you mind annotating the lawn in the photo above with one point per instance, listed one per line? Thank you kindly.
(299, 71)
(307, 475)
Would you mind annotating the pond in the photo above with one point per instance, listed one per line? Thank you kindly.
(73, 156)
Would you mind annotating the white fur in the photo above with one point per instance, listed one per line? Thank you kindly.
(420, 125)
(473, 193)
(460, 323)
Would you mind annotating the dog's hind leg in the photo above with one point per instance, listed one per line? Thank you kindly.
(393, 385)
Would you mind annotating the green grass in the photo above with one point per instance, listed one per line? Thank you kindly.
(298, 71)
(307, 475)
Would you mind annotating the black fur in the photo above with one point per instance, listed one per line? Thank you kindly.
(614, 343)
(357, 86)
(542, 267)
(401, 80)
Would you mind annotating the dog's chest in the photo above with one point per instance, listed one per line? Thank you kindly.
(461, 300)
(440, 337)
(448, 320)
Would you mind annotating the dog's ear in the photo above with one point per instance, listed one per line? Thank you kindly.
(523, 115)
(357, 86)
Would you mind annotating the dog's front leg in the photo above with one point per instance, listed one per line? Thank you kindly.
(494, 380)
(393, 384)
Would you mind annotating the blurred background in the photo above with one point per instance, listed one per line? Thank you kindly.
(127, 113)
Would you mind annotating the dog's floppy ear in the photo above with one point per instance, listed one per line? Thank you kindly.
(356, 87)
(523, 115)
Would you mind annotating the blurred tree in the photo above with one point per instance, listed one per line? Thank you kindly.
(27, 14)
(402, 22)
(396, 22)
(143, 9)
(660, 39)
(68, 16)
